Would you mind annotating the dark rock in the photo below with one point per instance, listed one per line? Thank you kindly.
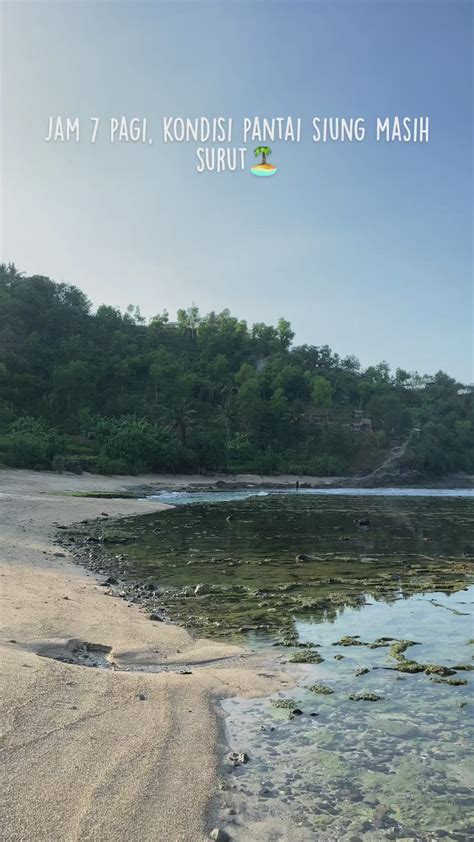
(303, 557)
(110, 581)
(236, 758)
(142, 697)
(156, 617)
(297, 712)
(201, 589)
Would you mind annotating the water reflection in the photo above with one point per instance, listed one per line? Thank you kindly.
(264, 561)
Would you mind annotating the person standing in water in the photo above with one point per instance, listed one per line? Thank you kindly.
(297, 486)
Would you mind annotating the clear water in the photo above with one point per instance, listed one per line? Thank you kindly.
(375, 565)
(398, 768)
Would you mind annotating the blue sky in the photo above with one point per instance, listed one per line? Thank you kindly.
(365, 247)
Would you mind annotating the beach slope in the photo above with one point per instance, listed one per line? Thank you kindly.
(113, 752)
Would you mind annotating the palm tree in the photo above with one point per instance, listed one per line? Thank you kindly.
(263, 151)
(180, 419)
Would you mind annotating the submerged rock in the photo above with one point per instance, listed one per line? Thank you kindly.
(365, 697)
(308, 657)
(322, 689)
(409, 666)
(288, 704)
(454, 682)
(399, 647)
(236, 758)
(349, 640)
(438, 669)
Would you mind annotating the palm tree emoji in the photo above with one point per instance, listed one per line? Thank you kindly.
(263, 151)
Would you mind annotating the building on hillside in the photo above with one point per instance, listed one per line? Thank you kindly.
(361, 423)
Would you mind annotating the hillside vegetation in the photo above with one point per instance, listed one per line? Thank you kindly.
(104, 391)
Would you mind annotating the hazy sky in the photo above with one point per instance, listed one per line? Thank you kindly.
(366, 247)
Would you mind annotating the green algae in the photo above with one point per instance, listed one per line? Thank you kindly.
(286, 704)
(350, 759)
(349, 640)
(399, 647)
(438, 669)
(454, 682)
(365, 697)
(104, 495)
(409, 666)
(321, 689)
(260, 590)
(306, 658)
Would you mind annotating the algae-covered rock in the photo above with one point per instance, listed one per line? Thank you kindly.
(438, 669)
(308, 657)
(362, 671)
(398, 647)
(287, 704)
(409, 666)
(349, 640)
(365, 697)
(322, 689)
(454, 682)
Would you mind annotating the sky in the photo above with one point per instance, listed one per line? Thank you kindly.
(366, 247)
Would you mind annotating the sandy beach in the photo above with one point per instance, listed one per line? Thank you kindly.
(90, 753)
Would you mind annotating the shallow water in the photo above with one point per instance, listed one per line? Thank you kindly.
(179, 498)
(243, 553)
(400, 767)
(377, 566)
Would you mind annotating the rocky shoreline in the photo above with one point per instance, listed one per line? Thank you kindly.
(407, 480)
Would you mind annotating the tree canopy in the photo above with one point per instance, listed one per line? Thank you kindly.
(106, 391)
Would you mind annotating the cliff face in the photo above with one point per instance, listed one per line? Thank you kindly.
(392, 470)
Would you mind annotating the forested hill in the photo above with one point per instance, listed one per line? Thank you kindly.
(106, 392)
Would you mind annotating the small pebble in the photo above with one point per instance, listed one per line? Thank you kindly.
(219, 835)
